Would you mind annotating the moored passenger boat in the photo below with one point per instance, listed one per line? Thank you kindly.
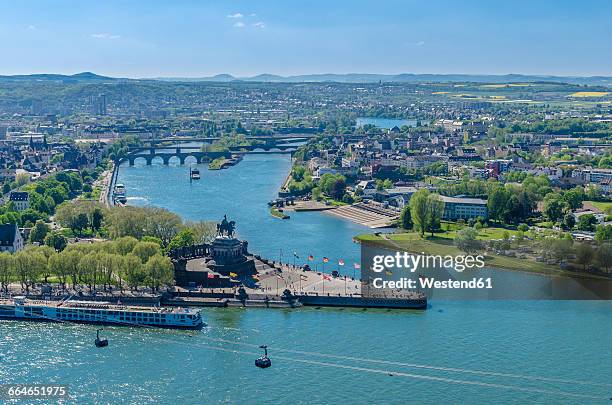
(194, 173)
(20, 308)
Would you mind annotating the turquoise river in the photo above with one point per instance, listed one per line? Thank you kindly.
(468, 352)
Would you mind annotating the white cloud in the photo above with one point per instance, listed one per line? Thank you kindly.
(259, 24)
(239, 24)
(105, 35)
(235, 15)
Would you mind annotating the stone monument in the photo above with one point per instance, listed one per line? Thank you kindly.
(229, 254)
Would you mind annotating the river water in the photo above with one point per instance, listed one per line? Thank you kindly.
(241, 192)
(385, 123)
(468, 352)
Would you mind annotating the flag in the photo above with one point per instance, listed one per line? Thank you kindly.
(296, 255)
(210, 275)
(233, 274)
(340, 262)
(325, 260)
(357, 265)
(310, 257)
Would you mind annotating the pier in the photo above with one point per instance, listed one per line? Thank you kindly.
(287, 286)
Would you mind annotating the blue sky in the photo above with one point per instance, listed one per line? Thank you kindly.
(200, 38)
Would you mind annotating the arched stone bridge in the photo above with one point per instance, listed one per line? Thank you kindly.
(183, 152)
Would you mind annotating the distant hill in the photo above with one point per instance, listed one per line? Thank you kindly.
(406, 78)
(79, 77)
(331, 77)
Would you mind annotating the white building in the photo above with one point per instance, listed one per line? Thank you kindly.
(20, 199)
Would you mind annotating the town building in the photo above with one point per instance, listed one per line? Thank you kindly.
(464, 208)
(10, 238)
(20, 199)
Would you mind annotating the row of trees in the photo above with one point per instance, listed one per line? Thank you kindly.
(142, 223)
(583, 254)
(125, 262)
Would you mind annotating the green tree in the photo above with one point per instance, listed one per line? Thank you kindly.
(523, 227)
(203, 231)
(574, 197)
(603, 233)
(496, 204)
(6, 270)
(557, 249)
(467, 240)
(125, 245)
(419, 210)
(29, 265)
(435, 211)
(39, 232)
(59, 265)
(56, 240)
(133, 272)
(584, 255)
(110, 267)
(587, 222)
(88, 270)
(568, 222)
(554, 207)
(96, 219)
(184, 238)
(405, 220)
(145, 250)
(160, 271)
(603, 256)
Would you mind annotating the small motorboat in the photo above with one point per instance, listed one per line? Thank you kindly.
(100, 342)
(194, 173)
(264, 361)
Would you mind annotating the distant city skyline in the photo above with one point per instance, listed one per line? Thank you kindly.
(192, 39)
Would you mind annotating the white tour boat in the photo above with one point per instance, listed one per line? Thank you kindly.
(20, 308)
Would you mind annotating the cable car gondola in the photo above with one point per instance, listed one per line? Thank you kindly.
(100, 342)
(264, 361)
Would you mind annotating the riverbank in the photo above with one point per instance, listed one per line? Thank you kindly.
(372, 215)
(308, 205)
(413, 243)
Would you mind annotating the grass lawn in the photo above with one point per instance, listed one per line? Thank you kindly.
(603, 206)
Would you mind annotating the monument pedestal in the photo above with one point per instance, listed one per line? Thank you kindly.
(230, 256)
